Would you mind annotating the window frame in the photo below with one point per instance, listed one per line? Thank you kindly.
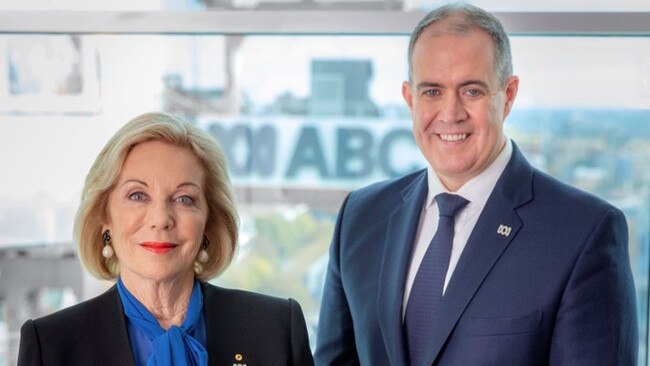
(309, 22)
(609, 24)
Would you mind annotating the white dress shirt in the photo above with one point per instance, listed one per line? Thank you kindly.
(476, 191)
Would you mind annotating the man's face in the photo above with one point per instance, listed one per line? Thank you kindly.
(457, 103)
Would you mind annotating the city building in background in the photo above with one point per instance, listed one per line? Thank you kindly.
(303, 116)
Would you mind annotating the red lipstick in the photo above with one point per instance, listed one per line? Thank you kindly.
(158, 247)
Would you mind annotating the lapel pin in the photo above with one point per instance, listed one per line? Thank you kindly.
(238, 358)
(504, 230)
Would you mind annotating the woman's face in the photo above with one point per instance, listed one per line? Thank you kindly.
(157, 213)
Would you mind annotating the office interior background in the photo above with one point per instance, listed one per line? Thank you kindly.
(305, 98)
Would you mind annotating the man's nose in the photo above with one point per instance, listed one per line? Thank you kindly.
(452, 110)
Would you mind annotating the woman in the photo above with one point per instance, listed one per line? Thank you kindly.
(157, 215)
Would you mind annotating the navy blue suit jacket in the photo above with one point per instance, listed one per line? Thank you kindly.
(556, 290)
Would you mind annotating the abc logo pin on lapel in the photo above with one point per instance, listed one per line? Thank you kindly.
(504, 230)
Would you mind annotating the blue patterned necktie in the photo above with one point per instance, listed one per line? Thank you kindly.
(426, 293)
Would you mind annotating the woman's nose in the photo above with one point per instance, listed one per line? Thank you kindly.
(161, 216)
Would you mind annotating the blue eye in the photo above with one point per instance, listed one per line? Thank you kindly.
(137, 196)
(432, 92)
(474, 92)
(186, 200)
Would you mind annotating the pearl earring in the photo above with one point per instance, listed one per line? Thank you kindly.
(203, 254)
(107, 251)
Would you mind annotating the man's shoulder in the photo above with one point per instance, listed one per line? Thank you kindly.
(387, 189)
(570, 197)
(521, 181)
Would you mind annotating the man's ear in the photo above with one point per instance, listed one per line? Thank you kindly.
(511, 93)
(407, 93)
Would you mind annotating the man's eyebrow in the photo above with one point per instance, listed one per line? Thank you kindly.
(480, 83)
(427, 84)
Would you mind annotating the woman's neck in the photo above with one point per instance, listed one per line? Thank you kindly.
(167, 300)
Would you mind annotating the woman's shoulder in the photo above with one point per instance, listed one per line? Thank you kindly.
(92, 332)
(80, 313)
(243, 297)
(244, 302)
(266, 329)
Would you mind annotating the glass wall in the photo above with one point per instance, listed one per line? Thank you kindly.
(303, 120)
(322, 5)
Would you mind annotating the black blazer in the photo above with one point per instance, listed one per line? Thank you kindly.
(264, 330)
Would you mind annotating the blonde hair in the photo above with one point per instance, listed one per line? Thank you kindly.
(221, 225)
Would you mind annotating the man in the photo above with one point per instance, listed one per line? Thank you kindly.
(538, 272)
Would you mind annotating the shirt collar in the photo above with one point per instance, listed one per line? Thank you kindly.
(478, 189)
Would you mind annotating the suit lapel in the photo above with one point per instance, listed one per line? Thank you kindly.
(215, 318)
(496, 227)
(115, 348)
(400, 235)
